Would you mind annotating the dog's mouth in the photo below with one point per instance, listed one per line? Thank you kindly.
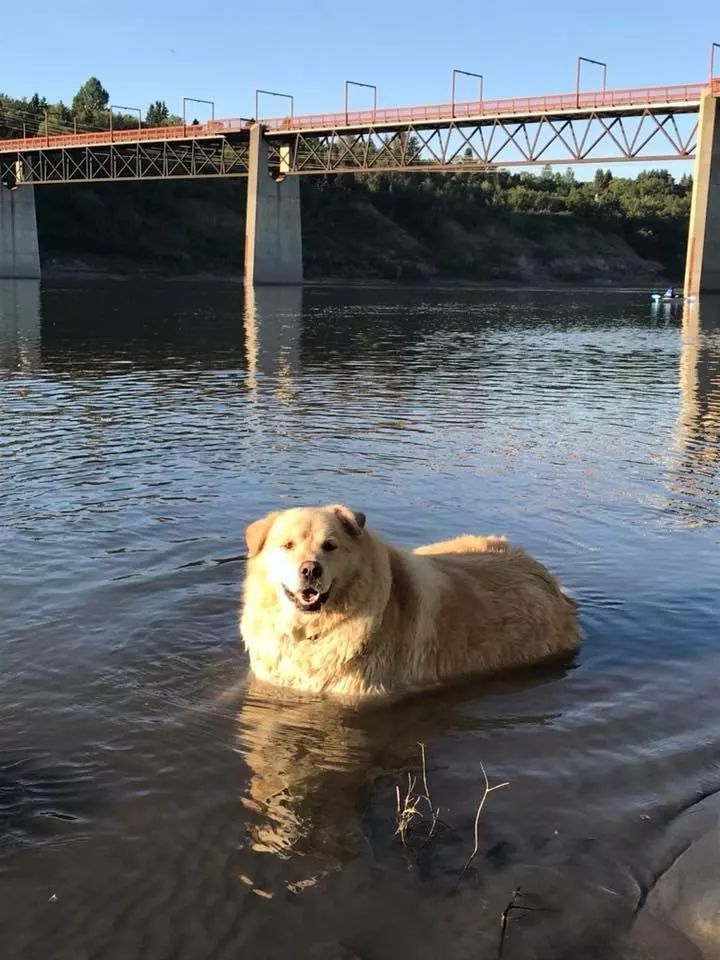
(307, 600)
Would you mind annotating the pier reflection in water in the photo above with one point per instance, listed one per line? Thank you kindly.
(19, 325)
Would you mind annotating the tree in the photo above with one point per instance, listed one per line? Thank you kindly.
(602, 179)
(37, 105)
(686, 182)
(157, 114)
(56, 119)
(90, 101)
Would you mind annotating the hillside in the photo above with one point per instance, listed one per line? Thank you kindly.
(395, 228)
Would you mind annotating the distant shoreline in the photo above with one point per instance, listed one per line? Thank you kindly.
(126, 273)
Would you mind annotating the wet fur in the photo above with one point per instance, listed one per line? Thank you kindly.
(402, 620)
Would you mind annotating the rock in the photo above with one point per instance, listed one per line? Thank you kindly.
(330, 951)
(686, 894)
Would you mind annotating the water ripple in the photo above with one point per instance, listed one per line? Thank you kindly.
(170, 806)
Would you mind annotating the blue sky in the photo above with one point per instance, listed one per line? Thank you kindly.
(224, 50)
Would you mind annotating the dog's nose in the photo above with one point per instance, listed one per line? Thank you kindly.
(310, 569)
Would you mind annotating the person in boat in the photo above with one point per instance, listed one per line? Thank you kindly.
(669, 293)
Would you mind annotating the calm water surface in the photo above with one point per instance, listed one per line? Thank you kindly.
(154, 804)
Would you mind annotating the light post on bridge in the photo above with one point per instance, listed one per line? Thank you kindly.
(465, 73)
(117, 106)
(369, 86)
(273, 93)
(713, 48)
(598, 63)
(208, 103)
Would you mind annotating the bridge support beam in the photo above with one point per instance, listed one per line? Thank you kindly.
(702, 267)
(19, 251)
(273, 236)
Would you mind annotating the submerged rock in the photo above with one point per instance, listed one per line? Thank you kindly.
(686, 894)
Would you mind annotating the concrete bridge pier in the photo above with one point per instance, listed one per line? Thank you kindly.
(273, 237)
(702, 267)
(19, 251)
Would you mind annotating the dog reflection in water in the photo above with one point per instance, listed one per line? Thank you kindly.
(307, 761)
(313, 764)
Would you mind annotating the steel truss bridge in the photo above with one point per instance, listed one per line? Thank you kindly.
(649, 124)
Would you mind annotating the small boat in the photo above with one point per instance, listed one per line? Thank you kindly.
(668, 297)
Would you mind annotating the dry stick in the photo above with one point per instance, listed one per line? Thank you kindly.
(424, 773)
(505, 917)
(436, 817)
(408, 809)
(435, 813)
(488, 790)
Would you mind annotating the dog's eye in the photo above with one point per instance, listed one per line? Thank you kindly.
(288, 545)
(328, 545)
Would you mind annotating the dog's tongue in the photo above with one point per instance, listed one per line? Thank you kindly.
(309, 596)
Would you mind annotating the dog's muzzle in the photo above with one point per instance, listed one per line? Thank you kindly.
(307, 600)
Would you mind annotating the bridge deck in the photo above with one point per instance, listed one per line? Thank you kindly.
(681, 98)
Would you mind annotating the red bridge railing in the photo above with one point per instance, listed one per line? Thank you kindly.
(134, 135)
(560, 103)
(521, 106)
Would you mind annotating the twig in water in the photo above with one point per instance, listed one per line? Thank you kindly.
(424, 773)
(487, 791)
(407, 810)
(410, 808)
(505, 917)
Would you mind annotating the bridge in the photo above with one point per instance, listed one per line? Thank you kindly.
(649, 124)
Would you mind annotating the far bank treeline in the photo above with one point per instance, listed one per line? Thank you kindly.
(481, 225)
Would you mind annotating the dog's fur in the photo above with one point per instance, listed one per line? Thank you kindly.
(377, 620)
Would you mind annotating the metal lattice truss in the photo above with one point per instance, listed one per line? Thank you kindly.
(128, 161)
(648, 135)
(652, 135)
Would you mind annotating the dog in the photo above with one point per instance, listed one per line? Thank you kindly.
(329, 607)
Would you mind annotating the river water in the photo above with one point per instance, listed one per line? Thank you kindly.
(155, 805)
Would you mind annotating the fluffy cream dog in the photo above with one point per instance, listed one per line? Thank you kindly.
(329, 607)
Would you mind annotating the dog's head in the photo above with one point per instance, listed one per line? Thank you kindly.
(310, 555)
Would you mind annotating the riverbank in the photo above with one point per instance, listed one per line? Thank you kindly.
(476, 228)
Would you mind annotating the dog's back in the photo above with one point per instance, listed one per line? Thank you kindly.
(467, 543)
(493, 607)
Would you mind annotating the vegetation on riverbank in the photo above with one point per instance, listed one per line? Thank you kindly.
(496, 225)
(481, 225)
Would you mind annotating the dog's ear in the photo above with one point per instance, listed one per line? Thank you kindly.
(256, 534)
(352, 520)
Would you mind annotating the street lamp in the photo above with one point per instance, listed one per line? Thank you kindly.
(273, 93)
(465, 73)
(117, 106)
(208, 103)
(369, 86)
(598, 63)
(713, 48)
